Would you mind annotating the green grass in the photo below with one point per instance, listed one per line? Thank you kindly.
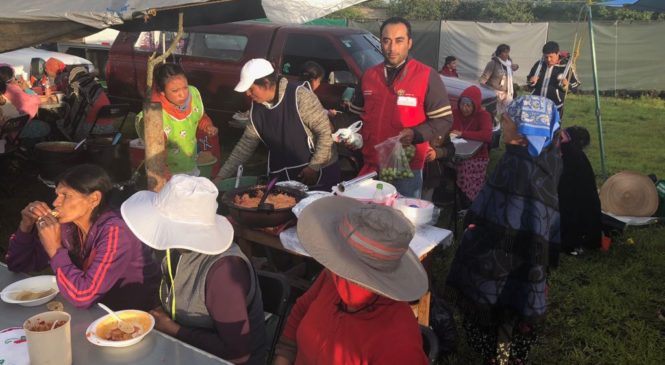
(602, 305)
(633, 132)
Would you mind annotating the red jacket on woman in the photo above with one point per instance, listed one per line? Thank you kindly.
(387, 333)
(477, 126)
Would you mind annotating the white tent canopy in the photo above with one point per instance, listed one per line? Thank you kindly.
(29, 22)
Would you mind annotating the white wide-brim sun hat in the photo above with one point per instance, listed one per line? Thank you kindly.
(182, 215)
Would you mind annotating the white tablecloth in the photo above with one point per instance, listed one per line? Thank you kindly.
(426, 238)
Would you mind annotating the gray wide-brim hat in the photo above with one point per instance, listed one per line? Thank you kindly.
(366, 244)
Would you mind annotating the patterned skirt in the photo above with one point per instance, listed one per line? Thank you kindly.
(471, 175)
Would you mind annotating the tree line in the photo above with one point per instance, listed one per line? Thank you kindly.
(500, 10)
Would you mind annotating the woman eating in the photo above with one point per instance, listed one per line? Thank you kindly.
(183, 119)
(498, 75)
(357, 310)
(92, 253)
(289, 119)
(472, 122)
(498, 278)
(210, 296)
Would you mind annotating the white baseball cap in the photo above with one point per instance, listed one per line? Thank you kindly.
(255, 68)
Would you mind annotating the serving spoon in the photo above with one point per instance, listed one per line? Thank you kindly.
(124, 326)
(262, 203)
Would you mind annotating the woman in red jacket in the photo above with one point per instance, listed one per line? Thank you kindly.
(357, 311)
(472, 122)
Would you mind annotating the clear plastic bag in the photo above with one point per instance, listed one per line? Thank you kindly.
(393, 160)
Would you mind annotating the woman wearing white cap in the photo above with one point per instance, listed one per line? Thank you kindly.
(209, 292)
(289, 119)
(356, 312)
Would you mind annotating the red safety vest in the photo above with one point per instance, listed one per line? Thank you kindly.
(390, 109)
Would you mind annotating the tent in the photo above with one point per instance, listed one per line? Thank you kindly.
(24, 22)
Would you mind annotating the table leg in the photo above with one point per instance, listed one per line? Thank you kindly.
(423, 309)
(245, 246)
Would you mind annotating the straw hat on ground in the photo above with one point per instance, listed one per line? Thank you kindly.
(366, 244)
(629, 193)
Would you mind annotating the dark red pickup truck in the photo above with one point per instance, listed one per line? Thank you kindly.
(212, 57)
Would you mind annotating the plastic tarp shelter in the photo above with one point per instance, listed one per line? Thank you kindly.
(28, 22)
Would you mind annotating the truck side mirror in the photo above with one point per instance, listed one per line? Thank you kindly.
(341, 77)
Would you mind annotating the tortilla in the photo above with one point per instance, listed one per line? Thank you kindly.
(55, 306)
(25, 295)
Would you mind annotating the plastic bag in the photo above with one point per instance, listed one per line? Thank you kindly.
(350, 135)
(393, 160)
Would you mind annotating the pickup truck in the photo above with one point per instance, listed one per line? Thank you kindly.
(212, 57)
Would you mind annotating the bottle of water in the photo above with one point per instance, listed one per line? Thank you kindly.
(379, 195)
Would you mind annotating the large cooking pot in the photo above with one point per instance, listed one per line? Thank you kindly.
(112, 158)
(53, 158)
(255, 218)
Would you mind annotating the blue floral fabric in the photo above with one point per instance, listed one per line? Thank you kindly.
(537, 119)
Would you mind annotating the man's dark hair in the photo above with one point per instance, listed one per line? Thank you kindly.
(449, 60)
(6, 73)
(501, 48)
(551, 47)
(396, 20)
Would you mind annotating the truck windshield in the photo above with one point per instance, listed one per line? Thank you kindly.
(364, 48)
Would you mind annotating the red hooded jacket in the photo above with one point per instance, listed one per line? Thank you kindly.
(478, 125)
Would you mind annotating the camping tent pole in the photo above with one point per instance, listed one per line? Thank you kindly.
(599, 121)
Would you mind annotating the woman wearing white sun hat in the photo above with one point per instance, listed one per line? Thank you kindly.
(209, 292)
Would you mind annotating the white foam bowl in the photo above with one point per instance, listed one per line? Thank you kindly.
(35, 284)
(91, 331)
(364, 190)
(418, 211)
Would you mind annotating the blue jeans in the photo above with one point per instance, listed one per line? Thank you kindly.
(411, 187)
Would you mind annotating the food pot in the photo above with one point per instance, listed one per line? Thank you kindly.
(254, 217)
(112, 158)
(53, 158)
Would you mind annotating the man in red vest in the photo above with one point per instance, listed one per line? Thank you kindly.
(404, 97)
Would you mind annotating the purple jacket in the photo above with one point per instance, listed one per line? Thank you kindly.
(113, 266)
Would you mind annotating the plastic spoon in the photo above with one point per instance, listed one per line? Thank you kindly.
(238, 175)
(78, 145)
(116, 139)
(122, 325)
(54, 323)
